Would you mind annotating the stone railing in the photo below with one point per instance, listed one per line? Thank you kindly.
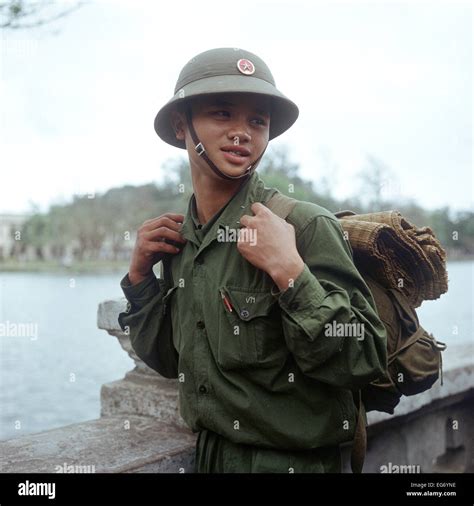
(140, 429)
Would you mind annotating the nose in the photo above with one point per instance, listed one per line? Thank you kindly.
(238, 132)
(239, 136)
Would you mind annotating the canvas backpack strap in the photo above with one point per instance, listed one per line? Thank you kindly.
(359, 446)
(280, 204)
(342, 214)
(411, 340)
(165, 270)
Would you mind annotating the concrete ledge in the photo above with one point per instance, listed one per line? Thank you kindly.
(107, 319)
(107, 314)
(115, 444)
(142, 394)
(437, 438)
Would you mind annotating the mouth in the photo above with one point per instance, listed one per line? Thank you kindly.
(236, 154)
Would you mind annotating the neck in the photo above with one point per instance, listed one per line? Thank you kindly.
(212, 194)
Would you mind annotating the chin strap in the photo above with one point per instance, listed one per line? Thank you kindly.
(201, 151)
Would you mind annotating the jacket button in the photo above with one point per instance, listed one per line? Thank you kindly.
(200, 324)
(202, 389)
(244, 313)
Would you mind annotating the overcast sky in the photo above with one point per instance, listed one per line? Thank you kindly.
(389, 79)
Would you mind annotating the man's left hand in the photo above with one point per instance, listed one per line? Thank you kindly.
(268, 242)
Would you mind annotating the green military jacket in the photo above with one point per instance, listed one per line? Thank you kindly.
(260, 367)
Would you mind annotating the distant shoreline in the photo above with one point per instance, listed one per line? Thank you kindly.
(74, 268)
(108, 266)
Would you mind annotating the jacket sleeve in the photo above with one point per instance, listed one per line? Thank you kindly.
(330, 291)
(148, 322)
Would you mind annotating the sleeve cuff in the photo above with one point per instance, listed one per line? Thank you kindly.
(306, 293)
(141, 293)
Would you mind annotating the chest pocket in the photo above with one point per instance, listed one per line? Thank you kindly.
(250, 330)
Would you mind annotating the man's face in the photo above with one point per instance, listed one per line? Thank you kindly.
(234, 129)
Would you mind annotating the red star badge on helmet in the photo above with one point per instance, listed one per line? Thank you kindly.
(246, 66)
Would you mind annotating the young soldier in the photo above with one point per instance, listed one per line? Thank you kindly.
(246, 322)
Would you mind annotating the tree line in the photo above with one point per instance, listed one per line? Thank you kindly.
(109, 221)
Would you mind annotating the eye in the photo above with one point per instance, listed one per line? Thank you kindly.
(260, 121)
(221, 113)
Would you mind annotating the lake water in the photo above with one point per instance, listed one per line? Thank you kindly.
(53, 378)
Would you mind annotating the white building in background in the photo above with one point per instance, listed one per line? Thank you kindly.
(10, 224)
(12, 246)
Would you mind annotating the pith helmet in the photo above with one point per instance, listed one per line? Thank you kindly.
(226, 70)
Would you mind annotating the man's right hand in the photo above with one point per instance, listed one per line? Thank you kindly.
(150, 245)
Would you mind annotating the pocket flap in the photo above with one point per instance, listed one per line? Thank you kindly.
(248, 304)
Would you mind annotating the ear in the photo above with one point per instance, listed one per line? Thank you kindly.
(177, 123)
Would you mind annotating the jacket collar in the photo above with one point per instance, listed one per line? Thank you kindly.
(251, 191)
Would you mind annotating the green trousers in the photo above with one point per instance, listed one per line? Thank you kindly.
(215, 454)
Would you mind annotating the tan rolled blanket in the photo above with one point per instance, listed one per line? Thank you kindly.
(398, 254)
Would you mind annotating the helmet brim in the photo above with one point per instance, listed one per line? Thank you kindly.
(284, 112)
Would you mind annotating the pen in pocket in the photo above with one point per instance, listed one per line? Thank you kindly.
(227, 304)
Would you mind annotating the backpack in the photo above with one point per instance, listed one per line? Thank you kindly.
(414, 360)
